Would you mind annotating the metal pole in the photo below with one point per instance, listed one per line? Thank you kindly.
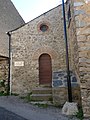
(11, 73)
(8, 89)
(67, 56)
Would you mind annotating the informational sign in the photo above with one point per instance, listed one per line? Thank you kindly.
(19, 63)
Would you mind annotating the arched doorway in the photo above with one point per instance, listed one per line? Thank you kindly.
(45, 69)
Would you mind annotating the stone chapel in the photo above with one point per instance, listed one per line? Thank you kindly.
(37, 55)
(38, 59)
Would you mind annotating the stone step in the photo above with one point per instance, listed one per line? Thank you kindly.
(46, 86)
(41, 97)
(42, 102)
(42, 91)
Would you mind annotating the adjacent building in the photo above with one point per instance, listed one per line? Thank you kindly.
(9, 20)
(78, 12)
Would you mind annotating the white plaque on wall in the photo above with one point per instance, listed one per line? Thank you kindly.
(19, 63)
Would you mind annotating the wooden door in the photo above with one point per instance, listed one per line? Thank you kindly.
(45, 69)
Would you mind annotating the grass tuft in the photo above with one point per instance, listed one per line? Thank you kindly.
(79, 114)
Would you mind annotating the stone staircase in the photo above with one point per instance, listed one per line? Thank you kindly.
(41, 94)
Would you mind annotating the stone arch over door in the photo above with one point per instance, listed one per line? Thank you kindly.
(45, 69)
(45, 49)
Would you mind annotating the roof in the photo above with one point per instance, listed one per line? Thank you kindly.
(9, 19)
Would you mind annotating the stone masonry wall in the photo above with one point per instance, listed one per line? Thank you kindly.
(82, 22)
(72, 40)
(3, 75)
(60, 88)
(29, 42)
(73, 50)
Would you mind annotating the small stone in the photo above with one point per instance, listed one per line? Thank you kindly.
(55, 78)
(61, 74)
(86, 31)
(70, 108)
(74, 84)
(77, 12)
(65, 84)
(80, 23)
(87, 69)
(84, 60)
(88, 38)
(65, 80)
(57, 83)
(76, 4)
(65, 76)
(74, 79)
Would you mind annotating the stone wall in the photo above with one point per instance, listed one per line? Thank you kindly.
(81, 13)
(3, 74)
(29, 42)
(60, 95)
(60, 88)
(60, 79)
(72, 40)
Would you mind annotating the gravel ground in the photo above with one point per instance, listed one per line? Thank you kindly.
(32, 112)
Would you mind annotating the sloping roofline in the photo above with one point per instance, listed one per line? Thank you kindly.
(17, 11)
(33, 19)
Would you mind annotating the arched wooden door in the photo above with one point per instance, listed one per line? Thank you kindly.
(45, 69)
